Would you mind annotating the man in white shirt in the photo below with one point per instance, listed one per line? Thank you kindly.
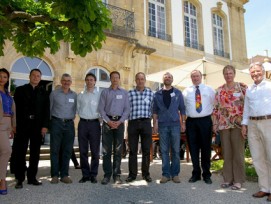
(199, 100)
(256, 125)
(89, 129)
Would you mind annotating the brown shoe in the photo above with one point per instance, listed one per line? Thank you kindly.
(176, 179)
(164, 179)
(66, 180)
(269, 198)
(260, 194)
(54, 180)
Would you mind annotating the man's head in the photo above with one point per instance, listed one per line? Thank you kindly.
(196, 77)
(167, 79)
(140, 80)
(35, 77)
(115, 78)
(66, 81)
(256, 71)
(90, 80)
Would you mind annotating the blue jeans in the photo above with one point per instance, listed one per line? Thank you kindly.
(61, 138)
(170, 140)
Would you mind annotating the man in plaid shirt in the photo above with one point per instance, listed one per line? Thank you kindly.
(139, 124)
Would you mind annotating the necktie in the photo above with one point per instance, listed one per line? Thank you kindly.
(198, 100)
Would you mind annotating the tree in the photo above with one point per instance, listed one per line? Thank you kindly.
(34, 25)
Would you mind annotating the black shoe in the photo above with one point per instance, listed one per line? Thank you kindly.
(84, 179)
(129, 179)
(105, 180)
(208, 180)
(117, 180)
(77, 167)
(34, 182)
(147, 178)
(194, 179)
(93, 179)
(19, 185)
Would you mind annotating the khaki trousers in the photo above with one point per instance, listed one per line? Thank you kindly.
(233, 149)
(5, 148)
(259, 139)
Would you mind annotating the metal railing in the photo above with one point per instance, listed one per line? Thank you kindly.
(123, 22)
(221, 53)
(160, 35)
(194, 45)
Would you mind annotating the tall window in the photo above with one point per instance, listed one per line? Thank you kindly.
(191, 27)
(218, 35)
(157, 19)
(21, 69)
(103, 78)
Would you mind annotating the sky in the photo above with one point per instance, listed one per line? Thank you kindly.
(258, 27)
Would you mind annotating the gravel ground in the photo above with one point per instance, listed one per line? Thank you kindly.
(138, 191)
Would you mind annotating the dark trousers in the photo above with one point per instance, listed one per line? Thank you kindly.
(61, 145)
(20, 144)
(89, 135)
(142, 129)
(199, 137)
(112, 138)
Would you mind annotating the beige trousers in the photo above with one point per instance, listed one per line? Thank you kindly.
(259, 139)
(5, 148)
(233, 149)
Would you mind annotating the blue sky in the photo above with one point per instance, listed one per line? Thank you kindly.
(258, 27)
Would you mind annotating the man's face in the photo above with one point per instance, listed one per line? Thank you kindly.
(167, 79)
(35, 78)
(90, 82)
(196, 78)
(256, 73)
(115, 79)
(66, 82)
(140, 81)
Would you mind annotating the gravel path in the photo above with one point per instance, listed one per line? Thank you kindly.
(135, 192)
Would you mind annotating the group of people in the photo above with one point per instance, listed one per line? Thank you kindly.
(233, 110)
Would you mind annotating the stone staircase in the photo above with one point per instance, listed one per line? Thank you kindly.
(45, 152)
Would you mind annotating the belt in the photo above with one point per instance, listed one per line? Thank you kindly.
(265, 117)
(62, 119)
(89, 120)
(31, 117)
(141, 119)
(114, 118)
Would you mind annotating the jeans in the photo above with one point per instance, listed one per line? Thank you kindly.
(61, 138)
(112, 137)
(170, 140)
(142, 129)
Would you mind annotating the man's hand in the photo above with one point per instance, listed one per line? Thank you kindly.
(244, 131)
(43, 131)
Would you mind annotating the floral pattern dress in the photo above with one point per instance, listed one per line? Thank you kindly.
(228, 106)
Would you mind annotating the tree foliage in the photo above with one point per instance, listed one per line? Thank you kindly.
(34, 25)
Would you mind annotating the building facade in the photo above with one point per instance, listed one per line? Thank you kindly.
(147, 36)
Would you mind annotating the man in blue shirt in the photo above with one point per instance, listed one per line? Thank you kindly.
(141, 101)
(168, 109)
(63, 110)
(114, 108)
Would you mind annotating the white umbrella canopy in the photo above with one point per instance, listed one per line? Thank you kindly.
(212, 74)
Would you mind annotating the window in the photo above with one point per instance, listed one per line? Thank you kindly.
(103, 78)
(190, 24)
(157, 19)
(218, 35)
(21, 69)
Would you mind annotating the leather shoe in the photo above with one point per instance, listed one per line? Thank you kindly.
(260, 194)
(19, 185)
(117, 180)
(34, 182)
(269, 198)
(147, 178)
(93, 179)
(84, 179)
(129, 179)
(194, 179)
(208, 180)
(105, 180)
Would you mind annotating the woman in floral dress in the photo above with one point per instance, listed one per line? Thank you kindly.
(227, 117)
